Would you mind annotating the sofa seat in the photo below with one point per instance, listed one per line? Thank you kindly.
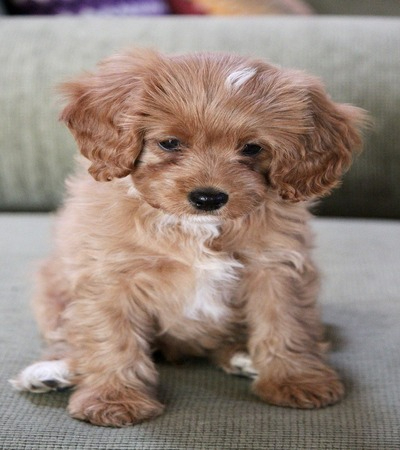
(207, 409)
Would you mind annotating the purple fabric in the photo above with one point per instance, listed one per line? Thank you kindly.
(99, 7)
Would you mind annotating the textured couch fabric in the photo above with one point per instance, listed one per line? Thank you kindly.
(207, 409)
(359, 59)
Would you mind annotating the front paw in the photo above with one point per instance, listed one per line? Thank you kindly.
(301, 391)
(104, 407)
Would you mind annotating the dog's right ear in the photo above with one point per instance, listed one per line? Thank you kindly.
(102, 113)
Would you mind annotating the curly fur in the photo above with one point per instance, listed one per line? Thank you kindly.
(136, 267)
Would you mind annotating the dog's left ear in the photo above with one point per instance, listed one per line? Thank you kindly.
(315, 164)
(101, 112)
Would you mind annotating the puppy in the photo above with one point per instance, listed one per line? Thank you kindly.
(190, 233)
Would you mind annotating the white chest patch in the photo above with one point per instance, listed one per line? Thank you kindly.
(216, 278)
(215, 275)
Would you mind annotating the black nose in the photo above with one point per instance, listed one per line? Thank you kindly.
(208, 199)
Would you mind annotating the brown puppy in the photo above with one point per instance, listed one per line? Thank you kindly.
(190, 234)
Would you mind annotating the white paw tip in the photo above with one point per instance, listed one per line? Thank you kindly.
(43, 376)
(242, 364)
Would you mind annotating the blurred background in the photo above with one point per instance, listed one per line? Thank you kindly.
(200, 7)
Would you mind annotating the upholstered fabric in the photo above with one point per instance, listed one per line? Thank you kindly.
(359, 59)
(207, 409)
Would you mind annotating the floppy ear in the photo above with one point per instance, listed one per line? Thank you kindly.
(315, 164)
(102, 114)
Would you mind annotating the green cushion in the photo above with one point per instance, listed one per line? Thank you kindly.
(207, 409)
(359, 59)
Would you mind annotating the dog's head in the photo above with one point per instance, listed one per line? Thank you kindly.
(210, 134)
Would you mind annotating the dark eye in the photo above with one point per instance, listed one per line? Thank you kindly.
(251, 150)
(170, 145)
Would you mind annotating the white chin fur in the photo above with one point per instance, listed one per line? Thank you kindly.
(43, 376)
(202, 220)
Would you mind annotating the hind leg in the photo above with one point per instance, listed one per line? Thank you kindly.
(235, 360)
(49, 302)
(52, 295)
